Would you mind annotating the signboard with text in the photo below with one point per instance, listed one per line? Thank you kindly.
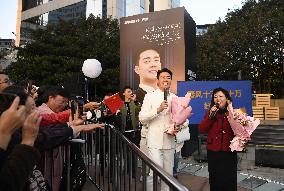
(171, 33)
(201, 94)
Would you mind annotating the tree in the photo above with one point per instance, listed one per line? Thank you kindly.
(250, 40)
(58, 51)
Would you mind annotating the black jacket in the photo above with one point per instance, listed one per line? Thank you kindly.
(16, 167)
(48, 137)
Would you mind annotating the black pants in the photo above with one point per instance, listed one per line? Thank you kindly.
(133, 137)
(222, 167)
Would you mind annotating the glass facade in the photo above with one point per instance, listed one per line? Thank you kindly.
(28, 4)
(96, 7)
(175, 3)
(134, 7)
(69, 13)
(83, 8)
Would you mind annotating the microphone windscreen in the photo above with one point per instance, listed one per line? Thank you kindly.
(165, 94)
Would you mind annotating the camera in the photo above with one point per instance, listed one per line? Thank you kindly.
(77, 103)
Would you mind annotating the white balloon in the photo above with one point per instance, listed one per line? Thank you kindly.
(92, 68)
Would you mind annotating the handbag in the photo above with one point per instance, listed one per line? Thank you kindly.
(36, 181)
(183, 135)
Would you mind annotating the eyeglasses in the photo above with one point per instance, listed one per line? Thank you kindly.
(5, 81)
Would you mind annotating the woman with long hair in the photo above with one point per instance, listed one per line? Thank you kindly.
(222, 163)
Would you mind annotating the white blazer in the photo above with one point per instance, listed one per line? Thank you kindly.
(157, 123)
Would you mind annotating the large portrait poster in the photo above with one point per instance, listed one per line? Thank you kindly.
(201, 93)
(162, 31)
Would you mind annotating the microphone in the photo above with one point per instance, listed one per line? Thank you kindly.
(166, 91)
(213, 113)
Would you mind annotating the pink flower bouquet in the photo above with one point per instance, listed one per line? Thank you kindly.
(180, 111)
(242, 126)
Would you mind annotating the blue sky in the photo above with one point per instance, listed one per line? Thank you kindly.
(202, 11)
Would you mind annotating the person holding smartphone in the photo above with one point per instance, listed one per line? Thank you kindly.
(48, 137)
(17, 166)
(222, 163)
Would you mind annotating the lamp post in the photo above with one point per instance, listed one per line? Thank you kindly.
(91, 68)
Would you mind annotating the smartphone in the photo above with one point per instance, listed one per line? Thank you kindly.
(6, 100)
(73, 107)
(80, 103)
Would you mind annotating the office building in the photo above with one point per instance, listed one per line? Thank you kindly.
(34, 14)
(8, 55)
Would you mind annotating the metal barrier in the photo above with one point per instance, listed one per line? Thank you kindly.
(115, 163)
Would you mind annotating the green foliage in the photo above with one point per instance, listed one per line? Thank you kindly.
(57, 53)
(250, 40)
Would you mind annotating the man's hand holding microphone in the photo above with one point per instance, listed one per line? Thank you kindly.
(164, 104)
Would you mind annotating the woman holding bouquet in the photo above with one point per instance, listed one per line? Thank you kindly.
(222, 163)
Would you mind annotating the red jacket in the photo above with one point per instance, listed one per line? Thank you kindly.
(219, 132)
(55, 118)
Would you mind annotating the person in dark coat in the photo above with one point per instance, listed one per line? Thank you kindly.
(222, 163)
(17, 166)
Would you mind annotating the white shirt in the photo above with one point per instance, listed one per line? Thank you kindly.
(157, 122)
(146, 88)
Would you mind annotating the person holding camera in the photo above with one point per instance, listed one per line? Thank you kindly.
(222, 162)
(48, 137)
(129, 121)
(129, 116)
(54, 101)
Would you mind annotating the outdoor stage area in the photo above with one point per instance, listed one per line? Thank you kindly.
(266, 149)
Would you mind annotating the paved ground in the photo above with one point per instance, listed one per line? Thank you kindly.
(194, 175)
(250, 177)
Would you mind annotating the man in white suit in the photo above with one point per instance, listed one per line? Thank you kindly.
(155, 114)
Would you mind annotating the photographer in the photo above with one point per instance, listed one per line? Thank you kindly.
(49, 117)
(129, 116)
(129, 122)
(48, 137)
(54, 100)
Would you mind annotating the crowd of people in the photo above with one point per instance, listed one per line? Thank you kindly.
(35, 124)
(28, 134)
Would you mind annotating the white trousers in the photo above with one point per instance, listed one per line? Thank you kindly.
(143, 146)
(165, 159)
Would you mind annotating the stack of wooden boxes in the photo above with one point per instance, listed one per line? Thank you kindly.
(262, 109)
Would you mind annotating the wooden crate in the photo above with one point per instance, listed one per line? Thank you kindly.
(271, 113)
(258, 112)
(262, 100)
